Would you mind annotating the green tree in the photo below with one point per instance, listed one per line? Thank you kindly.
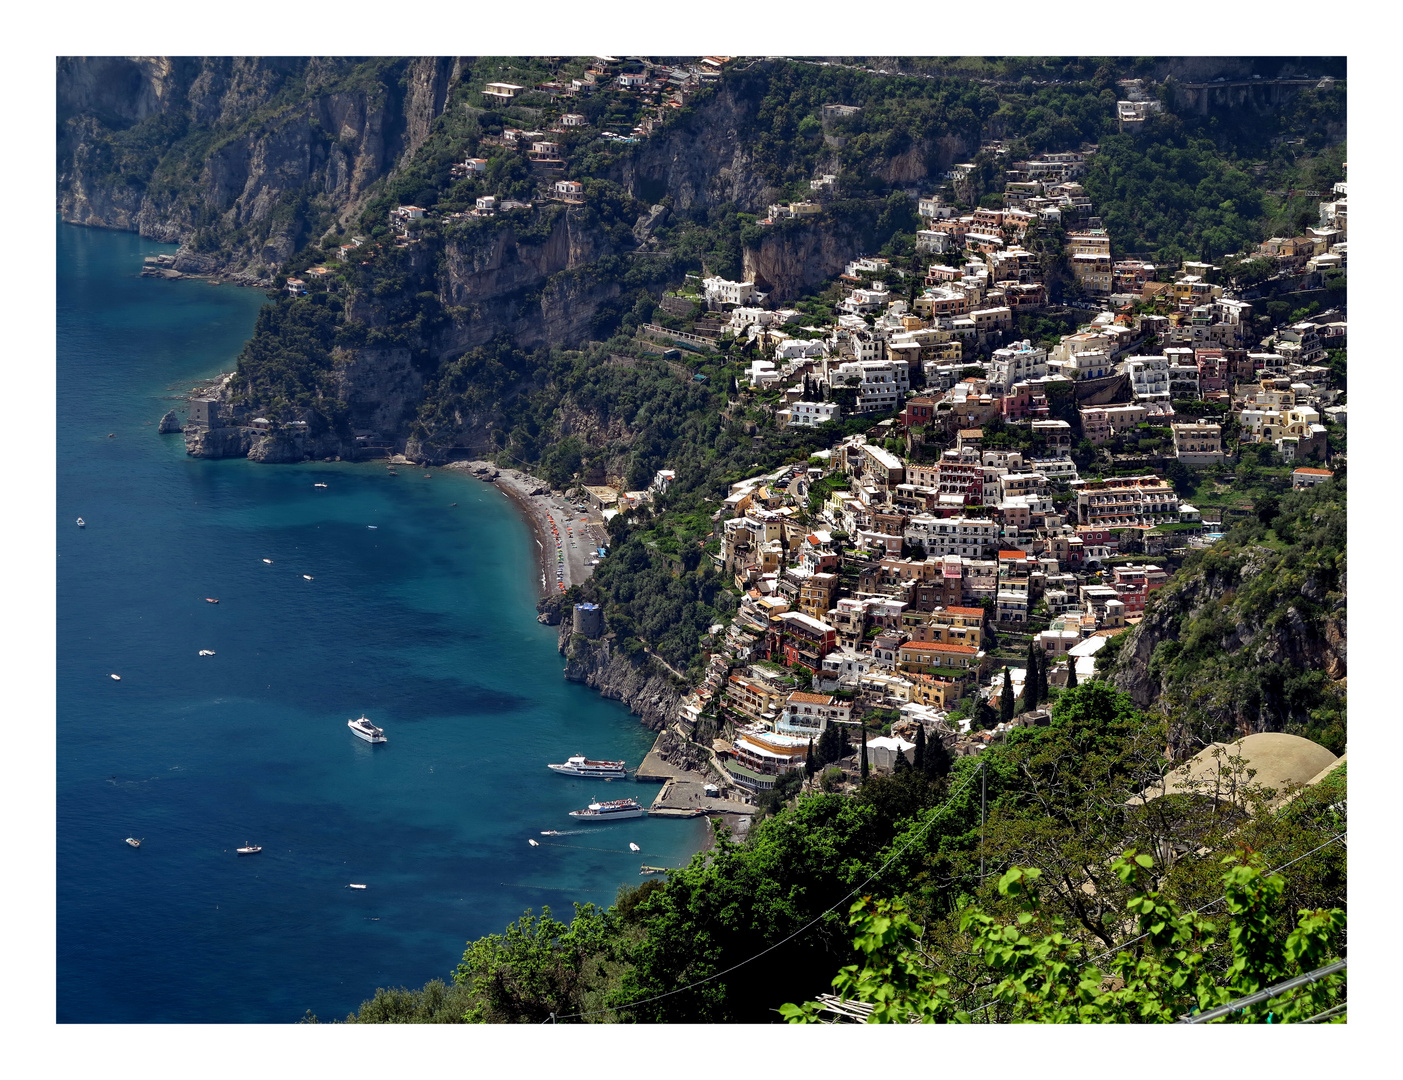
(920, 753)
(862, 737)
(1006, 705)
(1183, 964)
(1071, 673)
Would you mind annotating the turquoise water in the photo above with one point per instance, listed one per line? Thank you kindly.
(426, 623)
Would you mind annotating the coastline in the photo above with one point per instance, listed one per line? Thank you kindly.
(542, 509)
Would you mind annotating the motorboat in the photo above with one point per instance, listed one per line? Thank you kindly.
(268, 561)
(579, 765)
(533, 843)
(634, 847)
(211, 599)
(355, 886)
(206, 652)
(372, 526)
(307, 576)
(549, 832)
(364, 729)
(135, 842)
(82, 524)
(249, 849)
(118, 678)
(319, 485)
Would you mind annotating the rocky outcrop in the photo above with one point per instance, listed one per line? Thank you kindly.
(647, 692)
(170, 424)
(792, 259)
(223, 442)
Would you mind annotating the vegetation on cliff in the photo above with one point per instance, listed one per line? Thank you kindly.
(1250, 634)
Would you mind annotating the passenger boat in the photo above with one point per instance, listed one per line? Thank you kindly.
(249, 849)
(134, 842)
(364, 729)
(613, 810)
(579, 765)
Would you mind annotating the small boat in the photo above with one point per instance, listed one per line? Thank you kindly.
(134, 842)
(211, 599)
(206, 652)
(117, 677)
(249, 849)
(549, 832)
(111, 434)
(319, 485)
(646, 869)
(428, 476)
(452, 504)
(355, 886)
(634, 847)
(364, 729)
(533, 843)
(268, 561)
(307, 576)
(372, 526)
(83, 524)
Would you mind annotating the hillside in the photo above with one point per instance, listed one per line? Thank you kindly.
(1251, 634)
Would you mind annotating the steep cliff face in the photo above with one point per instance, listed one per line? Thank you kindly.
(701, 162)
(652, 697)
(239, 158)
(790, 261)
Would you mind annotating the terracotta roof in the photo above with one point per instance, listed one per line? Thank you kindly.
(1313, 472)
(811, 699)
(966, 611)
(1013, 554)
(937, 646)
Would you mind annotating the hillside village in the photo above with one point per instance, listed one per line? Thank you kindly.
(940, 576)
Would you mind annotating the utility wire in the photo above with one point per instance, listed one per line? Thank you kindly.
(1265, 995)
(668, 993)
(1327, 1013)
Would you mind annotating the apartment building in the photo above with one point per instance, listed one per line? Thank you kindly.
(1126, 501)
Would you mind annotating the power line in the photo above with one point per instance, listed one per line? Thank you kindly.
(668, 993)
(1327, 1013)
(1265, 995)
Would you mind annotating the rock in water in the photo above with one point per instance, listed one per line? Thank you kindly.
(170, 425)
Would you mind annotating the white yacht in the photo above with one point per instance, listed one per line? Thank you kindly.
(614, 810)
(364, 729)
(579, 765)
(82, 524)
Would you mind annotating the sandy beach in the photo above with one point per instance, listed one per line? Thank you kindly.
(566, 538)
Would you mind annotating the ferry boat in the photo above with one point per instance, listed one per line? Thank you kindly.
(579, 765)
(364, 729)
(613, 810)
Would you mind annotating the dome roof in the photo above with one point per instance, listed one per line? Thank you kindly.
(1269, 759)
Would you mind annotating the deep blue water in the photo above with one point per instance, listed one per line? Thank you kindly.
(425, 623)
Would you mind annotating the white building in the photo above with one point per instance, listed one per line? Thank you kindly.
(881, 384)
(720, 291)
(812, 413)
(1019, 362)
(1149, 377)
(970, 537)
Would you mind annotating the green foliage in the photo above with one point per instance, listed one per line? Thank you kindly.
(1047, 976)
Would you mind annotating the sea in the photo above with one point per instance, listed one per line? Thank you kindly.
(375, 595)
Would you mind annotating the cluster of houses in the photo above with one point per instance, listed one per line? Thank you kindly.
(872, 578)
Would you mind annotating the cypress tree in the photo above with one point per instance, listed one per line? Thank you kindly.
(920, 762)
(810, 765)
(937, 761)
(1071, 672)
(864, 750)
(1006, 698)
(1033, 688)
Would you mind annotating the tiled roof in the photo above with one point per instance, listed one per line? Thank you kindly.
(811, 699)
(936, 646)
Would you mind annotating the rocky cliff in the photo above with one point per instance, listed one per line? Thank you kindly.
(789, 261)
(650, 694)
(1250, 636)
(241, 160)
